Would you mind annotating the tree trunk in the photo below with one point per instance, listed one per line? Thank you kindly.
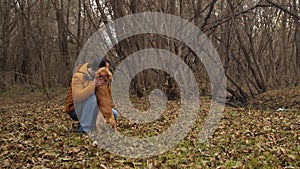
(297, 43)
(5, 12)
(78, 28)
(62, 42)
(42, 46)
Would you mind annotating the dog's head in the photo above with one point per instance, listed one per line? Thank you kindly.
(104, 72)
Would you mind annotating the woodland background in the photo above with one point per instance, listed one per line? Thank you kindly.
(258, 41)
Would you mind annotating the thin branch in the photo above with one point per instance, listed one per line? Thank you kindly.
(209, 13)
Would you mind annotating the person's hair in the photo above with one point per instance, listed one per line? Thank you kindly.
(103, 63)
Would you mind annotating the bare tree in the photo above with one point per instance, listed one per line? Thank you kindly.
(8, 25)
(258, 41)
(293, 10)
(62, 24)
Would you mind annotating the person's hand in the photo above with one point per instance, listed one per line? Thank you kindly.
(100, 81)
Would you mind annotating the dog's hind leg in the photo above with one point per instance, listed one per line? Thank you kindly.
(100, 123)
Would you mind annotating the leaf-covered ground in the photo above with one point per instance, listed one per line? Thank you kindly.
(287, 98)
(36, 133)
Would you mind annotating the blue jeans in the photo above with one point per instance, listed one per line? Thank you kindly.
(86, 113)
(73, 115)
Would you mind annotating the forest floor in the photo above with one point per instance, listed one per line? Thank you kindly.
(36, 133)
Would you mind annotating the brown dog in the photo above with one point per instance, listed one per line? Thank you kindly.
(103, 94)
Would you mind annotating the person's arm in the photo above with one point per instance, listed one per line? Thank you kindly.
(80, 90)
(99, 81)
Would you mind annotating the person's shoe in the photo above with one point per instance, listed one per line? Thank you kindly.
(95, 143)
(80, 129)
(115, 114)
